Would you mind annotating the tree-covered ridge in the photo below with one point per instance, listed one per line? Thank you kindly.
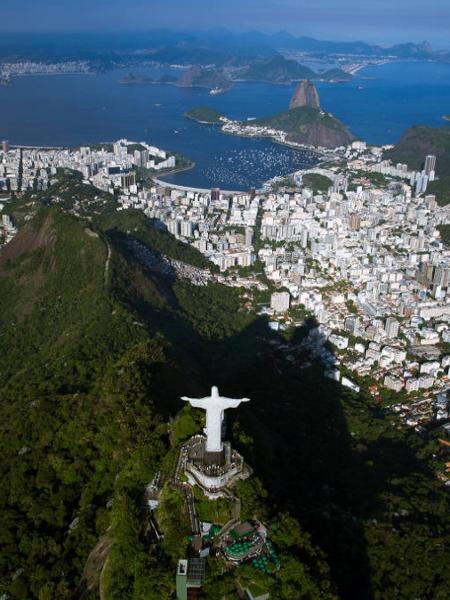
(441, 189)
(135, 224)
(412, 148)
(280, 70)
(296, 118)
(420, 140)
(68, 420)
(310, 126)
(81, 358)
(336, 75)
(276, 69)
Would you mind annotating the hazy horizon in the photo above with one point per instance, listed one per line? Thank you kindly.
(381, 22)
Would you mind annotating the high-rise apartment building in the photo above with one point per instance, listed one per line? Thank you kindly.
(430, 164)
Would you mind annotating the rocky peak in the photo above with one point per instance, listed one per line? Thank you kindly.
(305, 95)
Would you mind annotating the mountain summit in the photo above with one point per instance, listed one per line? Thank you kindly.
(305, 95)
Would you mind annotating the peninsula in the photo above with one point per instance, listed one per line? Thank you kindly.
(308, 126)
(204, 115)
(303, 124)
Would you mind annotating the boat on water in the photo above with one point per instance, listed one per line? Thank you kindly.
(217, 90)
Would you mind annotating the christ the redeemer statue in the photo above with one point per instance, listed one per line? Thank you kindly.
(215, 405)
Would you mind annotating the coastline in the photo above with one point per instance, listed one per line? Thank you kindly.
(205, 161)
(188, 188)
(274, 140)
(201, 122)
(159, 179)
(22, 147)
(322, 157)
(179, 170)
(10, 81)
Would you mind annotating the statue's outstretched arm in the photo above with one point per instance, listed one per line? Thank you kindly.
(196, 402)
(233, 402)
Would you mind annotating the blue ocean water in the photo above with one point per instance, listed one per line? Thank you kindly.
(78, 109)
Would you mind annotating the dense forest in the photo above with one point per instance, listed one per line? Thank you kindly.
(96, 349)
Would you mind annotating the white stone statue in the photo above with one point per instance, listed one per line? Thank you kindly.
(215, 405)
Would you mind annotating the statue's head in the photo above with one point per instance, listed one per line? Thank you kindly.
(214, 392)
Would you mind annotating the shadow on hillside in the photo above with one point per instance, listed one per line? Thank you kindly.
(304, 451)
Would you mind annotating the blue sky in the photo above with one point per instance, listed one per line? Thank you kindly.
(382, 21)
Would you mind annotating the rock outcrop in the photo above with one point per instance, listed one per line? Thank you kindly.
(305, 95)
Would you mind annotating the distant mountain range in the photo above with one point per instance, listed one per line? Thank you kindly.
(307, 44)
(223, 47)
(219, 47)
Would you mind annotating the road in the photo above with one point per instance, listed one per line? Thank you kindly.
(185, 487)
(107, 263)
(185, 188)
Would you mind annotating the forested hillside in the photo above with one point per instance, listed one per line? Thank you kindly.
(420, 140)
(413, 147)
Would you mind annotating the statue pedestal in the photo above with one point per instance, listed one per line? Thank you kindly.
(213, 458)
(213, 472)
